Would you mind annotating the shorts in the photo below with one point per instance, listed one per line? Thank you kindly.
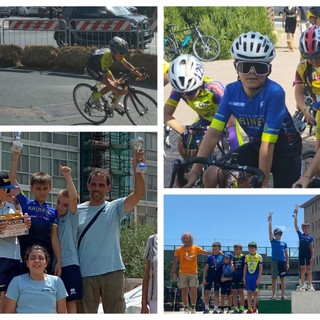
(278, 268)
(226, 287)
(213, 277)
(237, 282)
(94, 68)
(188, 280)
(304, 259)
(286, 165)
(251, 282)
(9, 268)
(72, 280)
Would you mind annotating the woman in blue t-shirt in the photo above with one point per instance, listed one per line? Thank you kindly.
(36, 291)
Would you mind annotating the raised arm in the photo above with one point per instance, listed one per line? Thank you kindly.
(139, 184)
(295, 219)
(72, 192)
(13, 172)
(270, 227)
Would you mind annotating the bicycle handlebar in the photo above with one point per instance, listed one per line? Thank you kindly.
(180, 167)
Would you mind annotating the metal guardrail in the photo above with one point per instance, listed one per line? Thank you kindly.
(30, 31)
(86, 32)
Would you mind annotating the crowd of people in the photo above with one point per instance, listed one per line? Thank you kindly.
(255, 103)
(70, 259)
(229, 275)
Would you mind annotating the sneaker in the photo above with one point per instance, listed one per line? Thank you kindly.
(300, 288)
(215, 311)
(206, 311)
(241, 310)
(193, 311)
(273, 297)
(254, 310)
(186, 311)
(249, 311)
(120, 109)
(235, 310)
(311, 288)
(284, 298)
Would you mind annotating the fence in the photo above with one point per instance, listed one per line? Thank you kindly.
(81, 32)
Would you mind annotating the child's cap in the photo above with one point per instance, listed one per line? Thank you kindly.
(252, 244)
(306, 224)
(5, 181)
(228, 255)
(277, 232)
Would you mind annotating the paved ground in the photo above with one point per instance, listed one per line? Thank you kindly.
(283, 72)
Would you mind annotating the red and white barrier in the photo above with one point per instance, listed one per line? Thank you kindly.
(100, 25)
(34, 25)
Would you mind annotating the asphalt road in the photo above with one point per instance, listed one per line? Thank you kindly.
(29, 97)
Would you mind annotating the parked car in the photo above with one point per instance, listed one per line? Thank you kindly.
(5, 11)
(140, 27)
(28, 11)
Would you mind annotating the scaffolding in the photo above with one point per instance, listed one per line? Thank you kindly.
(108, 152)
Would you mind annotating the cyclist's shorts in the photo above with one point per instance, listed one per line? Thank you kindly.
(304, 259)
(94, 68)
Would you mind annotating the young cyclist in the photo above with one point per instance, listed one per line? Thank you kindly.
(98, 67)
(258, 104)
(226, 281)
(237, 281)
(66, 209)
(186, 256)
(212, 272)
(313, 15)
(280, 260)
(200, 93)
(252, 276)
(306, 253)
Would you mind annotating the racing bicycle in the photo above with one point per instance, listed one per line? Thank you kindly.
(140, 108)
(235, 175)
(205, 47)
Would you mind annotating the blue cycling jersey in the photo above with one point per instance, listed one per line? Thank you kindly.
(305, 241)
(263, 117)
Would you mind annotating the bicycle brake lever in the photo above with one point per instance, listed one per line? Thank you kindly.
(182, 181)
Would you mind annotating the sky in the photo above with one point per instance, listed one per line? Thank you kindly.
(231, 219)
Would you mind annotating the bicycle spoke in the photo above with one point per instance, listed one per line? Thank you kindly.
(207, 48)
(141, 109)
(92, 112)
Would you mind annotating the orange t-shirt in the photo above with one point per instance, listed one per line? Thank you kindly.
(188, 259)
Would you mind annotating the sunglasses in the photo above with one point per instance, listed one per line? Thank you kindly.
(260, 68)
(278, 234)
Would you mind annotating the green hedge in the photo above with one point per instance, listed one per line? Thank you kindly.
(224, 23)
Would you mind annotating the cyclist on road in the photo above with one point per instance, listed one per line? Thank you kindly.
(200, 93)
(98, 67)
(308, 75)
(258, 104)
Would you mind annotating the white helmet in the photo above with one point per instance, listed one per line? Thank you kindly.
(186, 73)
(253, 46)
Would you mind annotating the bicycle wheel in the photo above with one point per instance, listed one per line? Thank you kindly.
(81, 98)
(206, 50)
(307, 157)
(141, 109)
(170, 49)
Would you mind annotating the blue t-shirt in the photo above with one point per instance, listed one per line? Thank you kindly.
(42, 218)
(100, 251)
(68, 225)
(305, 241)
(278, 249)
(36, 296)
(215, 260)
(263, 117)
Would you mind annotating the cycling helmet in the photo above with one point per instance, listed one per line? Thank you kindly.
(118, 45)
(253, 46)
(310, 43)
(277, 231)
(186, 73)
(252, 244)
(313, 12)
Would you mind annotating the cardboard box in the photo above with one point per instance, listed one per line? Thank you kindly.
(14, 227)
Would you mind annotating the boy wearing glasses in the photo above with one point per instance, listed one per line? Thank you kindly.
(280, 260)
(203, 95)
(258, 104)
